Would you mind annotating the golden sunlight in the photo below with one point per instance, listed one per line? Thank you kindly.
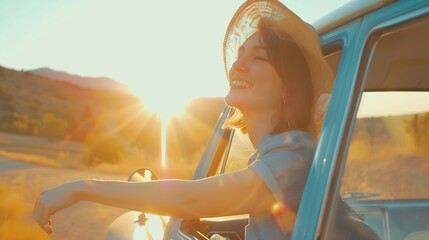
(163, 143)
(165, 107)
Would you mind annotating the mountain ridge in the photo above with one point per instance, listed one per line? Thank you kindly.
(100, 83)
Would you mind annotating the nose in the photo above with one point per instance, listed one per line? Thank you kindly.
(239, 65)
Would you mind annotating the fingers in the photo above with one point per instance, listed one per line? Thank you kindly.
(47, 222)
(47, 228)
(51, 201)
(42, 216)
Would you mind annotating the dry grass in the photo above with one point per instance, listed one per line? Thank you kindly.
(390, 163)
(31, 158)
(15, 221)
(56, 153)
(12, 229)
(18, 189)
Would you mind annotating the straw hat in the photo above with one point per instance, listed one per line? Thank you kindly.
(244, 24)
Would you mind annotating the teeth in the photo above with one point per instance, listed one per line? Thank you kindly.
(238, 83)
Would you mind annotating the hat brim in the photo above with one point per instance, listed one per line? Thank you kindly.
(245, 22)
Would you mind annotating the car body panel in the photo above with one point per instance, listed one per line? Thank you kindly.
(348, 13)
(135, 225)
(395, 13)
(392, 219)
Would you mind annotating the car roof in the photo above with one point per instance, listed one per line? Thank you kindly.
(347, 13)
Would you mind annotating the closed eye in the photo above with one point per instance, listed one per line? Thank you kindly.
(265, 59)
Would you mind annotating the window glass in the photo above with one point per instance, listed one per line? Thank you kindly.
(386, 177)
(388, 156)
(239, 152)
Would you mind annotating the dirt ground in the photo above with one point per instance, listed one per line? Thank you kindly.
(83, 221)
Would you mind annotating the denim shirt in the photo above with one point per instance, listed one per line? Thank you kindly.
(282, 161)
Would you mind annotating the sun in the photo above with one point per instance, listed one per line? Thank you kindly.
(165, 106)
(164, 98)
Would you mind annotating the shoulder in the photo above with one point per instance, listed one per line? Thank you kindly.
(292, 142)
(284, 152)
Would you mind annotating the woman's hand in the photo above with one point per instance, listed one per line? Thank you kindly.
(54, 200)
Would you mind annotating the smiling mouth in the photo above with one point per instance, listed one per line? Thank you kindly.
(240, 84)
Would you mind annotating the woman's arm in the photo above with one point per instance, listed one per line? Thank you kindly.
(232, 193)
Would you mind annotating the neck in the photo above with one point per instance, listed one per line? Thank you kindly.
(258, 125)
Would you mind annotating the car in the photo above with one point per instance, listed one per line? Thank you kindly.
(372, 157)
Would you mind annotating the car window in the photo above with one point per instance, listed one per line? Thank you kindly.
(238, 152)
(384, 186)
(388, 156)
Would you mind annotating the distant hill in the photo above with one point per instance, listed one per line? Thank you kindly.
(101, 83)
(27, 98)
(108, 122)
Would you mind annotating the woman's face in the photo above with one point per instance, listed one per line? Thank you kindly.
(254, 83)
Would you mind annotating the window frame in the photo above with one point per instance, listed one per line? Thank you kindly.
(314, 197)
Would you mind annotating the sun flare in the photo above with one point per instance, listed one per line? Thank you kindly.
(164, 103)
(165, 107)
(163, 144)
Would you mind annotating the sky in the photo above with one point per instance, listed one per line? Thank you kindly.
(379, 104)
(166, 52)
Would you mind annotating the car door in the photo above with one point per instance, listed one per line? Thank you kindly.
(373, 150)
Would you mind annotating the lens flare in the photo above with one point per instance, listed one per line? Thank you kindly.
(163, 143)
(165, 107)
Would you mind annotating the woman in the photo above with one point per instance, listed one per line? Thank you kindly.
(275, 65)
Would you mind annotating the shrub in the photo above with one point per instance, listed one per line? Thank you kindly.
(54, 126)
(13, 226)
(104, 147)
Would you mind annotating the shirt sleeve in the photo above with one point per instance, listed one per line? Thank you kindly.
(284, 171)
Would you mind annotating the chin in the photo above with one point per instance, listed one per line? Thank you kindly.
(232, 100)
(238, 102)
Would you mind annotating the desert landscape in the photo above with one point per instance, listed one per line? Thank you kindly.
(53, 131)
